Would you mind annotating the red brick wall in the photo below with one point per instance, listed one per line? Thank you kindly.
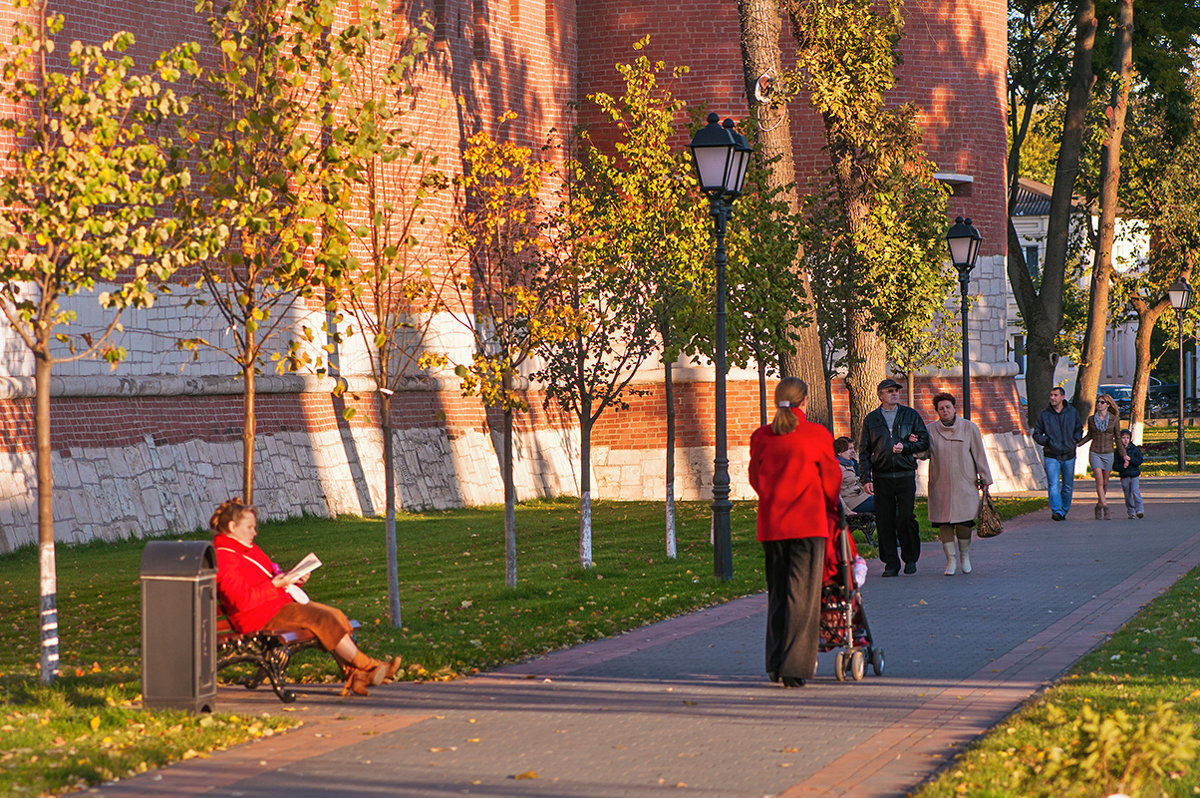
(122, 421)
(995, 406)
(955, 56)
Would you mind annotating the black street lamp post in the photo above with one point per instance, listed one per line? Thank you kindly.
(964, 243)
(1180, 294)
(721, 155)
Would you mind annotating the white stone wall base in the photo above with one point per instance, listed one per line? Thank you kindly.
(109, 493)
(149, 489)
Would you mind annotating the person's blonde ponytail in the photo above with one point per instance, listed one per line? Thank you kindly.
(790, 392)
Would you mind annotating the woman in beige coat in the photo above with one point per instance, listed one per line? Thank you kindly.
(958, 468)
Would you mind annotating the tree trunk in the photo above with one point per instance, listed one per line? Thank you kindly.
(1041, 359)
(866, 354)
(510, 496)
(389, 502)
(866, 358)
(1147, 317)
(585, 485)
(669, 395)
(1042, 308)
(48, 570)
(1110, 181)
(249, 423)
(762, 389)
(761, 24)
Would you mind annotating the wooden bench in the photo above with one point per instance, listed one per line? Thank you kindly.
(270, 650)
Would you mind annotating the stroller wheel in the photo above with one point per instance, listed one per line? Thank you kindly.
(858, 665)
(839, 666)
(877, 661)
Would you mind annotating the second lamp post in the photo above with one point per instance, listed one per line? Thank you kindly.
(721, 156)
(1180, 295)
(964, 243)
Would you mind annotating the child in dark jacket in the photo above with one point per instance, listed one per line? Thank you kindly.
(1129, 475)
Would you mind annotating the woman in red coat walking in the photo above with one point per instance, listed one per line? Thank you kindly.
(254, 595)
(797, 478)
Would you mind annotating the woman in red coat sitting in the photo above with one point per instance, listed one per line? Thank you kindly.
(253, 594)
(798, 481)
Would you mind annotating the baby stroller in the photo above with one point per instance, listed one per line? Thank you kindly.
(843, 618)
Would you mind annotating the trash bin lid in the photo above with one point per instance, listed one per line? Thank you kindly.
(178, 558)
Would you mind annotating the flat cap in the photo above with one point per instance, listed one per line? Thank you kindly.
(888, 383)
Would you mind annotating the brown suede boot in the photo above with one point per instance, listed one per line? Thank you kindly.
(361, 679)
(370, 663)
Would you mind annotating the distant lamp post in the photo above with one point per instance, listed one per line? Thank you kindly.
(964, 241)
(1180, 294)
(721, 156)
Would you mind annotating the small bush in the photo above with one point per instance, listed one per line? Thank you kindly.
(1109, 753)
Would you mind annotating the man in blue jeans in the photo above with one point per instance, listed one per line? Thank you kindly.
(1058, 431)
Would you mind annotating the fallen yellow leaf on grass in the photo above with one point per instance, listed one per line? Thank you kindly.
(94, 722)
(529, 774)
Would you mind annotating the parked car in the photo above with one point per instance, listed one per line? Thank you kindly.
(1164, 394)
(1122, 394)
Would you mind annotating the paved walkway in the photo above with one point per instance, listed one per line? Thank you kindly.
(682, 707)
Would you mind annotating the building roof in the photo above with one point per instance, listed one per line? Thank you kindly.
(1033, 199)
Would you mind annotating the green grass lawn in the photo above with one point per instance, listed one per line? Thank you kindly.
(1160, 447)
(458, 617)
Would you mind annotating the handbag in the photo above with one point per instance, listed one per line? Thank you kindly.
(988, 524)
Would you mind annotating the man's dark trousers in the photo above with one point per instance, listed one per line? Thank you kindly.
(895, 520)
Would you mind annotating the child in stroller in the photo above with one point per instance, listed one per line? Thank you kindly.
(843, 618)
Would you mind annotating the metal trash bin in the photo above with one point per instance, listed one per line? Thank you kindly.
(179, 625)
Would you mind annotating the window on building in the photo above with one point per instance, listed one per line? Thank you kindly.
(1031, 260)
(1017, 353)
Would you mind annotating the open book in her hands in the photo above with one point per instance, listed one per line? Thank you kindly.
(309, 564)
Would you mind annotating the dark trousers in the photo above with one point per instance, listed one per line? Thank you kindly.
(895, 521)
(794, 569)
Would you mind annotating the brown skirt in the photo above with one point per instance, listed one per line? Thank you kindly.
(329, 624)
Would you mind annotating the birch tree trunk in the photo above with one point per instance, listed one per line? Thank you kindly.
(585, 486)
(389, 502)
(47, 567)
(669, 396)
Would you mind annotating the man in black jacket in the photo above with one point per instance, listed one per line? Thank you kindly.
(891, 437)
(1058, 431)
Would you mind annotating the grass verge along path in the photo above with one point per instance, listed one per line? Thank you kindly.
(1123, 720)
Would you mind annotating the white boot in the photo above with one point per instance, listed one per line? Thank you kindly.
(951, 558)
(964, 548)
